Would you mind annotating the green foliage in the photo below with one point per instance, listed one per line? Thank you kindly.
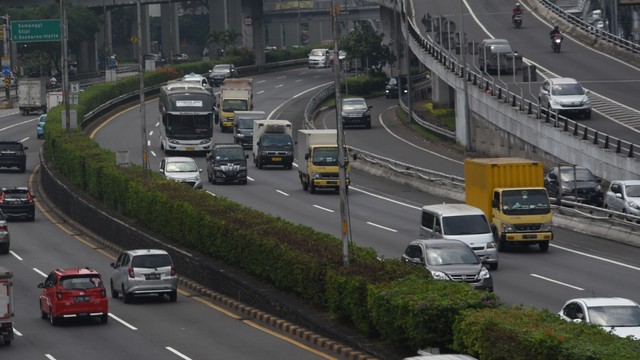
(364, 43)
(363, 85)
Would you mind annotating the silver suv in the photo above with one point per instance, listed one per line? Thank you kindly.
(565, 96)
(142, 272)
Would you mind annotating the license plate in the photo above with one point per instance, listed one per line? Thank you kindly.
(529, 236)
(276, 159)
(80, 299)
(332, 182)
(190, 148)
(152, 276)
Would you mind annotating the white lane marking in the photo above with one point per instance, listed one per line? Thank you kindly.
(381, 227)
(298, 80)
(9, 114)
(210, 193)
(17, 124)
(323, 208)
(281, 77)
(15, 255)
(153, 153)
(122, 322)
(250, 178)
(150, 132)
(148, 143)
(260, 82)
(295, 96)
(15, 331)
(260, 92)
(40, 272)
(177, 353)
(411, 144)
(157, 124)
(48, 356)
(351, 187)
(282, 192)
(277, 86)
(557, 282)
(597, 257)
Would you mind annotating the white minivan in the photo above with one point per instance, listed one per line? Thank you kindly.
(319, 58)
(461, 222)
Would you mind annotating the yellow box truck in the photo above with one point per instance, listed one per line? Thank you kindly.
(510, 192)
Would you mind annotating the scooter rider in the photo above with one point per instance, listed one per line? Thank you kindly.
(517, 10)
(554, 32)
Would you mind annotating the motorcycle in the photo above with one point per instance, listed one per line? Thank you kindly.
(517, 21)
(556, 41)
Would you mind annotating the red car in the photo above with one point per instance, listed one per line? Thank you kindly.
(73, 293)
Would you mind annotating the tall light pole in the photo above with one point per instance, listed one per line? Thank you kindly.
(343, 161)
(463, 51)
(65, 67)
(143, 120)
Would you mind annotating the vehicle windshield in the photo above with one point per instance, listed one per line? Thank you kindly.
(622, 315)
(525, 202)
(279, 140)
(21, 195)
(354, 105)
(393, 81)
(221, 68)
(325, 156)
(633, 190)
(567, 89)
(580, 175)
(194, 125)
(234, 105)
(451, 256)
(318, 52)
(503, 48)
(182, 166)
(244, 123)
(151, 261)
(465, 225)
(230, 154)
(81, 282)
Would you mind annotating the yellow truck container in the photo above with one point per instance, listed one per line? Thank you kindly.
(510, 192)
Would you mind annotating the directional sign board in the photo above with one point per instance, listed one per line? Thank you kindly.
(35, 30)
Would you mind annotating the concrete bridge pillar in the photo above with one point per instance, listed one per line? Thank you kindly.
(170, 30)
(145, 36)
(391, 28)
(441, 93)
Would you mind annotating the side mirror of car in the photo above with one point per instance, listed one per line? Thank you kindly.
(246, 156)
(370, 106)
(618, 196)
(41, 285)
(553, 177)
(306, 156)
(494, 203)
(113, 265)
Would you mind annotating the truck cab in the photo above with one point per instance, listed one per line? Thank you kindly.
(318, 167)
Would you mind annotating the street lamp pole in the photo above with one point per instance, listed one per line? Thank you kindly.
(65, 67)
(143, 121)
(463, 52)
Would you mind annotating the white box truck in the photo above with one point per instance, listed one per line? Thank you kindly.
(272, 143)
(235, 95)
(32, 95)
(318, 160)
(6, 305)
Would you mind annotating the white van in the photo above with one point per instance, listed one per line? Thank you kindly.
(461, 222)
(319, 58)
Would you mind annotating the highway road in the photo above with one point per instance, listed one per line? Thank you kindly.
(149, 328)
(384, 215)
(613, 84)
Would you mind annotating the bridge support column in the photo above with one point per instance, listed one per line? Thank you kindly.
(105, 42)
(145, 37)
(441, 93)
(170, 30)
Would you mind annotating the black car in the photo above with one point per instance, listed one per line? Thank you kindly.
(17, 202)
(220, 72)
(391, 90)
(355, 111)
(571, 179)
(12, 155)
(227, 163)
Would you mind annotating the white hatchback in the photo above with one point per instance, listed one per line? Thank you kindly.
(623, 196)
(565, 96)
(182, 169)
(619, 316)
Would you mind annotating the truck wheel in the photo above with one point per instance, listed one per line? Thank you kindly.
(312, 188)
(7, 340)
(259, 164)
(501, 242)
(305, 185)
(544, 246)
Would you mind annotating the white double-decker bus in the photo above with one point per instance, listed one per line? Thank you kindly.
(187, 113)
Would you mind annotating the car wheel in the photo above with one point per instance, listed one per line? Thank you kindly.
(52, 319)
(243, 182)
(493, 266)
(544, 246)
(587, 115)
(126, 297)
(368, 125)
(209, 177)
(43, 315)
(23, 168)
(104, 318)
(114, 293)
(173, 296)
(32, 217)
(4, 249)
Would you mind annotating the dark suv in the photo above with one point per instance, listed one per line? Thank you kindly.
(574, 184)
(355, 111)
(17, 202)
(12, 155)
(227, 163)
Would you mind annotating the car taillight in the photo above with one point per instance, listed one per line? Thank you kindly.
(131, 274)
(29, 197)
(59, 295)
(103, 293)
(173, 270)
(1, 198)
(4, 228)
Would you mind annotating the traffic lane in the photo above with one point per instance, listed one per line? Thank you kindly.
(390, 138)
(149, 324)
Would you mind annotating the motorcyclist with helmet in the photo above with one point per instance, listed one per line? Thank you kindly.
(555, 32)
(517, 10)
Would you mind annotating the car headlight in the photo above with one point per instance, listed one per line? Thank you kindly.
(204, 142)
(484, 273)
(366, 113)
(491, 245)
(439, 275)
(548, 226)
(172, 141)
(506, 227)
(599, 188)
(343, 114)
(566, 189)
(633, 205)
(263, 153)
(239, 135)
(317, 176)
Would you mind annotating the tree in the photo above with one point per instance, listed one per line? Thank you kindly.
(225, 38)
(365, 44)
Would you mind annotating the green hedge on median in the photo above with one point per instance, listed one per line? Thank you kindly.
(385, 299)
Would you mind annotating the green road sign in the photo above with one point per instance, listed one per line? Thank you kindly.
(35, 30)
